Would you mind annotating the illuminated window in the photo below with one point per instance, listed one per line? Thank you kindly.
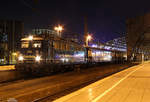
(25, 45)
(37, 45)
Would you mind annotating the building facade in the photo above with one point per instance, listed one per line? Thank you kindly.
(44, 31)
(75, 37)
(11, 32)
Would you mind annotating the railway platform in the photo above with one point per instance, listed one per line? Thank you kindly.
(7, 67)
(130, 85)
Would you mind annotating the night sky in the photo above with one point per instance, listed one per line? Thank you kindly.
(106, 18)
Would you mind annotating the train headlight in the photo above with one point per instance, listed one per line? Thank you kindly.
(38, 58)
(64, 59)
(20, 58)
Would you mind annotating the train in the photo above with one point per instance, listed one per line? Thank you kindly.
(49, 54)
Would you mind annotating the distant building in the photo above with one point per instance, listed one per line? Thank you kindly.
(11, 32)
(3, 52)
(66, 35)
(72, 36)
(44, 31)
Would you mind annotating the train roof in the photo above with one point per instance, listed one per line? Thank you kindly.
(34, 38)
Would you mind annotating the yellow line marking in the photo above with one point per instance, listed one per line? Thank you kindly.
(108, 90)
(8, 67)
(64, 98)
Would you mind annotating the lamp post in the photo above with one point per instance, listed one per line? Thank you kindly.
(58, 29)
(88, 38)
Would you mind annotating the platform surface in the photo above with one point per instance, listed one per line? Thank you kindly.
(7, 67)
(130, 85)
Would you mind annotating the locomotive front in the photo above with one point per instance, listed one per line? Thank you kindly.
(31, 50)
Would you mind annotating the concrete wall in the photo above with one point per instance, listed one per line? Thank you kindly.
(8, 73)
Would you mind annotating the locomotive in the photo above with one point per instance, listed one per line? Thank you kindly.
(49, 53)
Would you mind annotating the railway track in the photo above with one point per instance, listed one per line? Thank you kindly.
(55, 86)
(57, 95)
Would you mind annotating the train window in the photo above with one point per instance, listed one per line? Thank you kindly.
(24, 44)
(36, 45)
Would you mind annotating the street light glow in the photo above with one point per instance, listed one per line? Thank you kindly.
(58, 28)
(30, 37)
(89, 37)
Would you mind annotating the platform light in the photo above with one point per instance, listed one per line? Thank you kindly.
(88, 38)
(38, 58)
(59, 29)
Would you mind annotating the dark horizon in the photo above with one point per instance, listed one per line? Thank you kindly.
(106, 19)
